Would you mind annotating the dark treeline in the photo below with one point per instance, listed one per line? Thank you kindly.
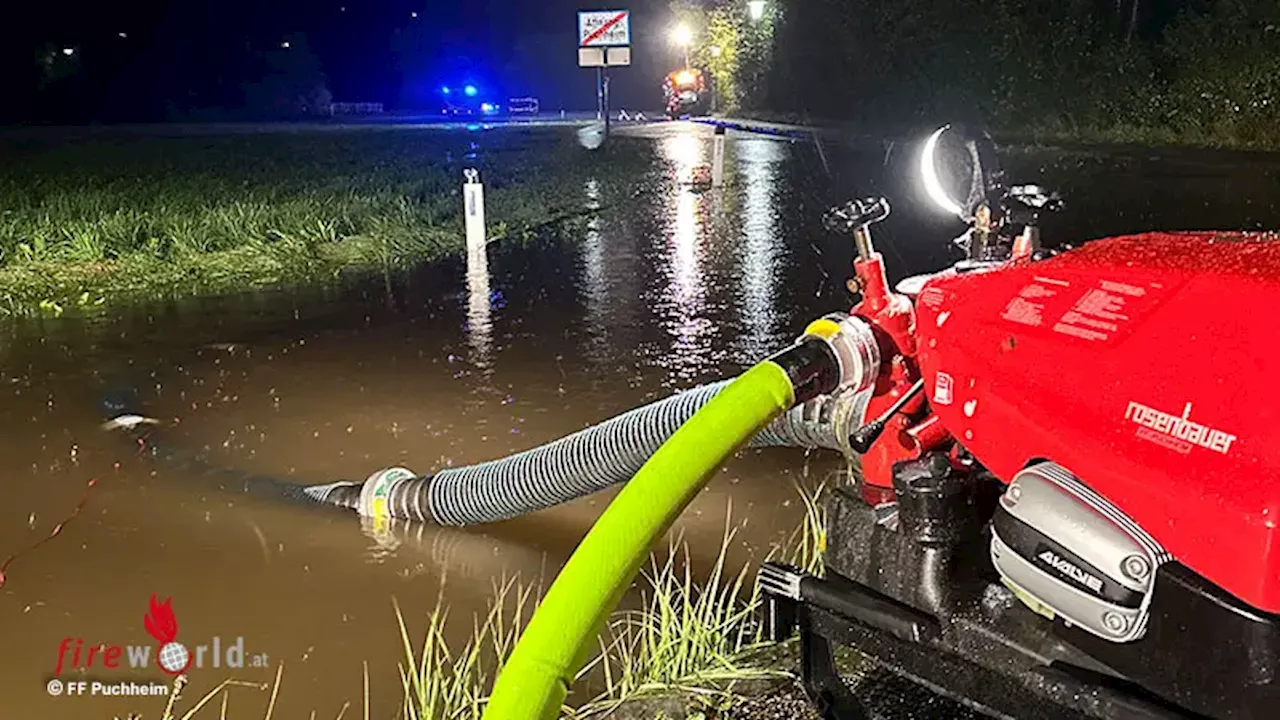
(1201, 71)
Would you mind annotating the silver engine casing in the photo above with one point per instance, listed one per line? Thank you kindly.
(1067, 552)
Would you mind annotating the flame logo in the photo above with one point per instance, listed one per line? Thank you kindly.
(160, 622)
(172, 657)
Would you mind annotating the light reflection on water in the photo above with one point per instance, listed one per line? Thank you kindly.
(596, 285)
(693, 284)
(681, 304)
(479, 309)
(764, 251)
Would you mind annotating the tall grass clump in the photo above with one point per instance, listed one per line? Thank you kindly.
(444, 684)
(687, 638)
(808, 543)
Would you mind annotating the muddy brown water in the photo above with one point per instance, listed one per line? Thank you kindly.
(457, 365)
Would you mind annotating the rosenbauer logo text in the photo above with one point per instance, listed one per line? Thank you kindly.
(167, 654)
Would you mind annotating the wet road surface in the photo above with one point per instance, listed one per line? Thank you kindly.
(457, 365)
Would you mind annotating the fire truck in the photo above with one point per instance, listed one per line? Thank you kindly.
(686, 93)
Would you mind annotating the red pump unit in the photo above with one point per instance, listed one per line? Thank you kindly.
(1134, 362)
(1071, 473)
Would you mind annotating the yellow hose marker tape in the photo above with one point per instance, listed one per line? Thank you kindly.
(380, 516)
(825, 328)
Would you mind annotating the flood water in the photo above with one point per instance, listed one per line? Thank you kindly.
(456, 365)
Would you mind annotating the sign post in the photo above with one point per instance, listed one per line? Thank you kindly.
(604, 41)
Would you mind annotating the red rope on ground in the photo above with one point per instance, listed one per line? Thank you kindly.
(56, 529)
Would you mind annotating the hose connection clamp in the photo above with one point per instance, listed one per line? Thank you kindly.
(376, 492)
(854, 344)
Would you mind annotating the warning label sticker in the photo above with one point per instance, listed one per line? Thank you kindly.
(1093, 310)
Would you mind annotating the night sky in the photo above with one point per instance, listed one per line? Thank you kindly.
(198, 52)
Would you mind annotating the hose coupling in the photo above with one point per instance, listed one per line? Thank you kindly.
(375, 494)
(854, 344)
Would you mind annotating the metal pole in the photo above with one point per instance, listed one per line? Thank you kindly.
(717, 157)
(599, 92)
(606, 100)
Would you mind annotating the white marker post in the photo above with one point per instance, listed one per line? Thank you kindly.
(473, 199)
(717, 158)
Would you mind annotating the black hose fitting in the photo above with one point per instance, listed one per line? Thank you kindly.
(812, 366)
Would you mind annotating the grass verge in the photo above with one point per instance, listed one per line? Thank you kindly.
(99, 219)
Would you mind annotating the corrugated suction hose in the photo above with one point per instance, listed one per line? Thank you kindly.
(577, 465)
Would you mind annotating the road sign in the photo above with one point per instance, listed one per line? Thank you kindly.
(617, 56)
(604, 57)
(604, 28)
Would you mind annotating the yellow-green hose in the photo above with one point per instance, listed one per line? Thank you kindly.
(536, 678)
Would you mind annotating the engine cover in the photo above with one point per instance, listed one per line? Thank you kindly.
(1067, 552)
(1145, 364)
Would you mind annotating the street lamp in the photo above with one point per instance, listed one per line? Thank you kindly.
(756, 10)
(683, 37)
